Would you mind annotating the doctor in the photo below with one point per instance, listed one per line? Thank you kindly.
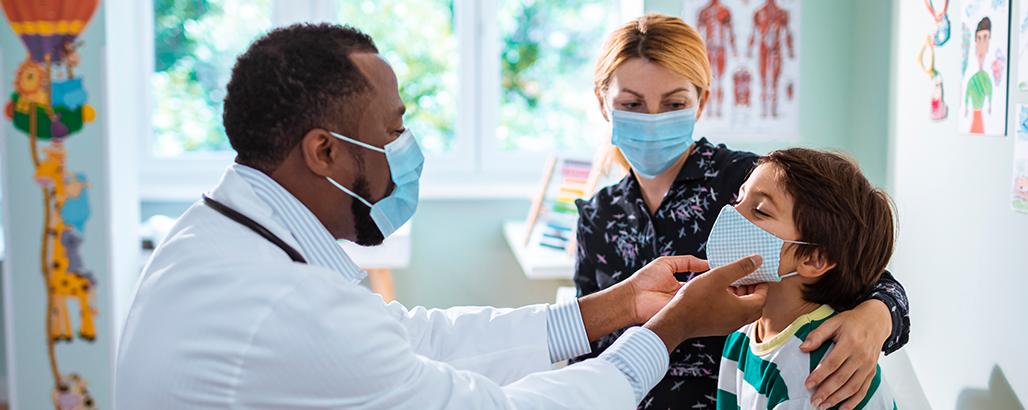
(250, 302)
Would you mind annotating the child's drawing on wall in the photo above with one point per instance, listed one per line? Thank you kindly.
(984, 98)
(1019, 194)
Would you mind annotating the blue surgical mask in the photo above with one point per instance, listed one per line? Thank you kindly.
(652, 142)
(405, 164)
(734, 237)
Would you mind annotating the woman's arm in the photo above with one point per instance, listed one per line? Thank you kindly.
(891, 293)
(878, 323)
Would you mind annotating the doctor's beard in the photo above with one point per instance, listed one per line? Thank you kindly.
(368, 233)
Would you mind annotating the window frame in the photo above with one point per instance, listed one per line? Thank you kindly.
(475, 168)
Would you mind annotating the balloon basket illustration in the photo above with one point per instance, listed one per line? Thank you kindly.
(50, 105)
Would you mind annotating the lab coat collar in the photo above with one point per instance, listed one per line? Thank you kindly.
(236, 192)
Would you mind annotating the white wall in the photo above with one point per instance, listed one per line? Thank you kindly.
(961, 250)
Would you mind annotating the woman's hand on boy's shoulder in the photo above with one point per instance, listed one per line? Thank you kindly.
(845, 374)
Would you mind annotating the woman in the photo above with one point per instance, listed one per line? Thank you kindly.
(652, 82)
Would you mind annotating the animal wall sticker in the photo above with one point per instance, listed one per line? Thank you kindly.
(49, 104)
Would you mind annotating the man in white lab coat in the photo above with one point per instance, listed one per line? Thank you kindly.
(250, 303)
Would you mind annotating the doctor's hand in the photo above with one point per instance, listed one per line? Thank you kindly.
(654, 285)
(707, 306)
(638, 298)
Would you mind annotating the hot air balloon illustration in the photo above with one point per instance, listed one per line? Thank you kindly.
(49, 29)
(50, 104)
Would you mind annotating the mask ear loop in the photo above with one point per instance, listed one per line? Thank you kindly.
(798, 243)
(353, 141)
(341, 187)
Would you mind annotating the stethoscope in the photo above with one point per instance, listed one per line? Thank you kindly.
(254, 226)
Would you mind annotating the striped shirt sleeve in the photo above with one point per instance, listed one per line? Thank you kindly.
(565, 331)
(641, 356)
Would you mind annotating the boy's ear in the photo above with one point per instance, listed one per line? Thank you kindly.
(815, 265)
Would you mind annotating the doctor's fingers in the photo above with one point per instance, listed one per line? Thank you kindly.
(728, 274)
(742, 290)
(685, 263)
(715, 309)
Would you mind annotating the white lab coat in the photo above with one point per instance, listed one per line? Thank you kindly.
(221, 318)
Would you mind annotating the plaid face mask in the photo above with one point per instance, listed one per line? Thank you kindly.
(734, 237)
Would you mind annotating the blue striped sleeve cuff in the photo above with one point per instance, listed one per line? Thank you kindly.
(641, 356)
(565, 331)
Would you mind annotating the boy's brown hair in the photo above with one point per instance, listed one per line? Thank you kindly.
(846, 218)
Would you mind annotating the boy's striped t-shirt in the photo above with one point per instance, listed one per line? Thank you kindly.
(770, 375)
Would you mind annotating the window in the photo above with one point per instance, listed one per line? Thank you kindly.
(492, 87)
(196, 44)
(550, 48)
(427, 75)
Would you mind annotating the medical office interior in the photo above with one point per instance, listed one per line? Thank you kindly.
(499, 93)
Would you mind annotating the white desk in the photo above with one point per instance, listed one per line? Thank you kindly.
(536, 262)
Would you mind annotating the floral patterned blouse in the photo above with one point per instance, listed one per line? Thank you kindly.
(617, 236)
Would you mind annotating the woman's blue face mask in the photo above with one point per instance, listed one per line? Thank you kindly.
(653, 142)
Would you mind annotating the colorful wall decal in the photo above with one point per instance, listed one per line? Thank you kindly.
(50, 105)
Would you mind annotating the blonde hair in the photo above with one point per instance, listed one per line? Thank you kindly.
(664, 40)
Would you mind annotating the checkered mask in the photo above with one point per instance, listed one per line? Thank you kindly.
(734, 237)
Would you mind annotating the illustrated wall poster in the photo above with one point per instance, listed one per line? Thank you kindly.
(1022, 52)
(49, 104)
(983, 99)
(939, 109)
(754, 52)
(938, 38)
(1019, 195)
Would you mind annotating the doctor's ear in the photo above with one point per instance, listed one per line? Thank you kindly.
(815, 265)
(320, 152)
(603, 104)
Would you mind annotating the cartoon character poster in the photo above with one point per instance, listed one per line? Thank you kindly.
(50, 105)
(983, 91)
(754, 52)
(1019, 192)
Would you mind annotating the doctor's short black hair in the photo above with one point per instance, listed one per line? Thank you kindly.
(289, 81)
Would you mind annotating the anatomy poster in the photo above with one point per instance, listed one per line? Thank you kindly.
(1022, 52)
(1019, 194)
(983, 85)
(754, 52)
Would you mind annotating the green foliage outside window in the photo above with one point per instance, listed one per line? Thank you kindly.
(196, 44)
(417, 38)
(549, 48)
(549, 53)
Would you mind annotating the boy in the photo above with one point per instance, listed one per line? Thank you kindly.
(826, 235)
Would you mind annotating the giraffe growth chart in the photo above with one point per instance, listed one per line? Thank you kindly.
(49, 104)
